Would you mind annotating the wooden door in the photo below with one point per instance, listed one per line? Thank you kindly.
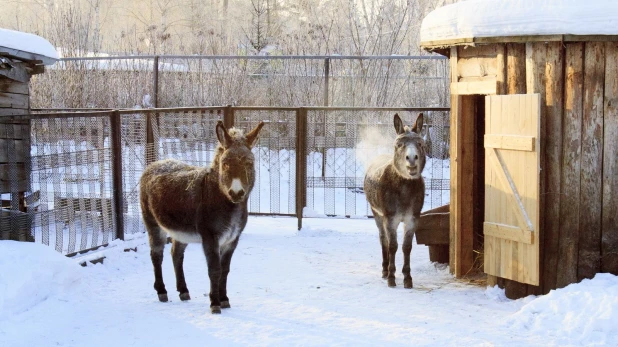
(512, 168)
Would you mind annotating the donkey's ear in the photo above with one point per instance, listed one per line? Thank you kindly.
(252, 136)
(399, 128)
(418, 126)
(222, 135)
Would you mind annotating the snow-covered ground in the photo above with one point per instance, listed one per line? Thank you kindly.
(317, 286)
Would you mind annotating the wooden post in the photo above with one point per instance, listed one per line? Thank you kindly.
(462, 155)
(326, 80)
(589, 257)
(118, 196)
(155, 82)
(568, 244)
(228, 117)
(454, 246)
(326, 102)
(301, 163)
(609, 236)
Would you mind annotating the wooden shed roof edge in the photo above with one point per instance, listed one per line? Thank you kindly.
(471, 41)
(26, 56)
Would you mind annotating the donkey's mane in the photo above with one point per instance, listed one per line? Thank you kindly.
(237, 136)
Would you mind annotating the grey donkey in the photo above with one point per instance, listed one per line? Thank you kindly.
(396, 191)
(205, 205)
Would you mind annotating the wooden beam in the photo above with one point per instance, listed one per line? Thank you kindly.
(508, 232)
(473, 41)
(510, 142)
(10, 100)
(486, 87)
(13, 111)
(466, 162)
(455, 196)
(17, 72)
(10, 86)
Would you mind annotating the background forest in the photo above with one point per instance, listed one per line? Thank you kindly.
(223, 27)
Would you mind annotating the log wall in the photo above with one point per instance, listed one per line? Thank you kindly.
(579, 141)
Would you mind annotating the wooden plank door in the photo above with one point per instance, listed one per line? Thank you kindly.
(512, 169)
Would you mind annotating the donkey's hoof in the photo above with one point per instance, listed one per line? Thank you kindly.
(225, 304)
(215, 309)
(407, 283)
(185, 296)
(163, 297)
(391, 282)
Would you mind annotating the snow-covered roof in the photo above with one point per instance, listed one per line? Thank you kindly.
(26, 46)
(466, 20)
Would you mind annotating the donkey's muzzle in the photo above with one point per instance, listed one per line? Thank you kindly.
(236, 196)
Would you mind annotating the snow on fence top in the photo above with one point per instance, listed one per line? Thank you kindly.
(466, 20)
(27, 46)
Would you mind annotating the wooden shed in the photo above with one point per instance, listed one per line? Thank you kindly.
(534, 139)
(22, 55)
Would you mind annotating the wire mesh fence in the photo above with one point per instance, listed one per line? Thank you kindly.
(63, 197)
(342, 142)
(75, 183)
(175, 81)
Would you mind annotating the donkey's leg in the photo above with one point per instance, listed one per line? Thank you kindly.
(213, 259)
(383, 243)
(157, 239)
(390, 228)
(178, 256)
(410, 229)
(226, 258)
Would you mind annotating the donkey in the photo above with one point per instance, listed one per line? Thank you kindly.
(396, 191)
(200, 205)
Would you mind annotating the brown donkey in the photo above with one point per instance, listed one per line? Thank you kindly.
(200, 205)
(396, 191)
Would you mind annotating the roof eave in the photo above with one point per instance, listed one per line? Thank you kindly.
(438, 45)
(26, 56)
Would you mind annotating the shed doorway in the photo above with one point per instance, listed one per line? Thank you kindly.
(495, 186)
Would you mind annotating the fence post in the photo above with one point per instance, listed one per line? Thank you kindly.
(151, 149)
(117, 186)
(228, 117)
(301, 163)
(326, 102)
(326, 79)
(155, 82)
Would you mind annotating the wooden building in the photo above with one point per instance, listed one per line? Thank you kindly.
(534, 139)
(22, 55)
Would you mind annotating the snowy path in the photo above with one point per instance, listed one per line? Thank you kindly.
(319, 286)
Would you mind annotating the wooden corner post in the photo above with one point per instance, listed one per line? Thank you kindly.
(301, 163)
(118, 198)
(461, 204)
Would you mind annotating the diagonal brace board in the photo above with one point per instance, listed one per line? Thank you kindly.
(505, 179)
